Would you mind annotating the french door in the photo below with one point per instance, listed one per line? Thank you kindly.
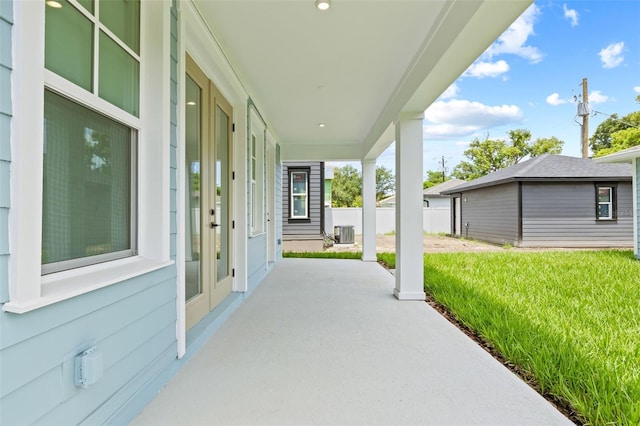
(208, 215)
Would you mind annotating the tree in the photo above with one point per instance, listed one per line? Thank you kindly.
(601, 142)
(385, 182)
(346, 189)
(346, 186)
(622, 139)
(601, 138)
(550, 145)
(490, 155)
(434, 178)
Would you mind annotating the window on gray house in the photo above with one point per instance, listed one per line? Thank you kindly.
(298, 194)
(605, 202)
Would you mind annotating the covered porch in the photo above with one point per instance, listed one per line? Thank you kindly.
(325, 342)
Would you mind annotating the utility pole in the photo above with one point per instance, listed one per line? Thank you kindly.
(584, 113)
(444, 170)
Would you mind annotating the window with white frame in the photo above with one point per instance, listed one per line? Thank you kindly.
(254, 184)
(80, 166)
(605, 202)
(299, 194)
(256, 174)
(89, 158)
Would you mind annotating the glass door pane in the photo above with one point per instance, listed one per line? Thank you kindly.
(193, 155)
(222, 194)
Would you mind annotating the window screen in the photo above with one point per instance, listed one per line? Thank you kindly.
(88, 186)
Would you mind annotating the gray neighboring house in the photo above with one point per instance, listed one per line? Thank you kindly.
(547, 201)
(302, 205)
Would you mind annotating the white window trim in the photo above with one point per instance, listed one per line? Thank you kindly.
(253, 171)
(609, 203)
(28, 289)
(257, 129)
(306, 194)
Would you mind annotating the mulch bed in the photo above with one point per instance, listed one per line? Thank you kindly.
(562, 405)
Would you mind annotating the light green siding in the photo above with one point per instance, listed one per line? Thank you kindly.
(6, 24)
(133, 323)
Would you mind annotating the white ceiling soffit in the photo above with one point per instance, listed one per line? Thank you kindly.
(355, 68)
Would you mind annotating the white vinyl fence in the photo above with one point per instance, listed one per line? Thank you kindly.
(434, 219)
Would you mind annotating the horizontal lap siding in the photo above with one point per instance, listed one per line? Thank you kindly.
(492, 214)
(316, 187)
(132, 324)
(6, 23)
(38, 347)
(256, 259)
(173, 131)
(279, 179)
(564, 215)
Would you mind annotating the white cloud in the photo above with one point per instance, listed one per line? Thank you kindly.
(456, 118)
(514, 39)
(484, 69)
(636, 89)
(555, 100)
(447, 131)
(596, 97)
(611, 56)
(451, 92)
(571, 14)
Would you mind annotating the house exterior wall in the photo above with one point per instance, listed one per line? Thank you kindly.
(279, 223)
(256, 259)
(564, 215)
(636, 188)
(312, 227)
(491, 214)
(6, 23)
(132, 323)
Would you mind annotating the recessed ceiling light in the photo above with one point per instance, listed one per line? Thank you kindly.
(54, 4)
(323, 4)
(191, 103)
(321, 125)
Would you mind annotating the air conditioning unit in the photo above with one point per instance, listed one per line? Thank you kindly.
(343, 234)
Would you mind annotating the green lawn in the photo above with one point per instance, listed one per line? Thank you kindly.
(572, 319)
(324, 255)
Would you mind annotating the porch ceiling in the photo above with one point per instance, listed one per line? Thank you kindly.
(356, 67)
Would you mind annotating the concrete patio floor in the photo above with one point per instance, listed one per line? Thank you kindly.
(324, 342)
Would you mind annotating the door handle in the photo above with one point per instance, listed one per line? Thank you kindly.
(213, 225)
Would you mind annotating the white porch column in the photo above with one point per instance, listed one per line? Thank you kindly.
(369, 211)
(409, 252)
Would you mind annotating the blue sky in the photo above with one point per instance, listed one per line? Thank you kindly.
(528, 79)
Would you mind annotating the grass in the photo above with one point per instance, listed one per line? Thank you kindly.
(572, 319)
(324, 255)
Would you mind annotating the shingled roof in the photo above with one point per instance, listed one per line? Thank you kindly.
(550, 168)
(437, 190)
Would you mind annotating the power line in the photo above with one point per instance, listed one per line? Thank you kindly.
(635, 126)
